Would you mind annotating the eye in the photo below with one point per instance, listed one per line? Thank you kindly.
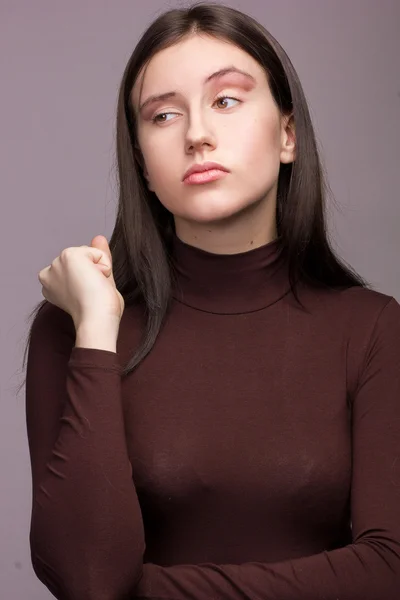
(226, 97)
(155, 119)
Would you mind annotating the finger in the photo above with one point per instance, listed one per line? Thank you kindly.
(106, 270)
(99, 256)
(42, 274)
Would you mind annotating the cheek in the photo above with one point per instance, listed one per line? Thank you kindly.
(161, 162)
(259, 145)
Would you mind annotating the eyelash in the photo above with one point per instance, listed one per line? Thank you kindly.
(221, 97)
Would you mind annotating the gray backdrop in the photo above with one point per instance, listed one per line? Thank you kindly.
(61, 64)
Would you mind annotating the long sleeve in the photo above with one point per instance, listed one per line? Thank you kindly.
(366, 569)
(87, 537)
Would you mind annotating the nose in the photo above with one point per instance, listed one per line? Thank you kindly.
(198, 135)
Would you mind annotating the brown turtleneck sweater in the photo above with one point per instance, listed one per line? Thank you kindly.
(253, 454)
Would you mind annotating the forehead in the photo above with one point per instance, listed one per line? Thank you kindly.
(178, 67)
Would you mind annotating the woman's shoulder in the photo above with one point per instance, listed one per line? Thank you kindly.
(372, 334)
(367, 302)
(357, 311)
(50, 316)
(372, 320)
(355, 302)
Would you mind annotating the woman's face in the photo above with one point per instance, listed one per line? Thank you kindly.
(243, 131)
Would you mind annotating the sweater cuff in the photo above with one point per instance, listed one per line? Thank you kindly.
(94, 357)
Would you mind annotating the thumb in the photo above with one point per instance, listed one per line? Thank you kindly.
(100, 242)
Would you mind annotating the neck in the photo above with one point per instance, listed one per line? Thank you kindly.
(233, 283)
(253, 227)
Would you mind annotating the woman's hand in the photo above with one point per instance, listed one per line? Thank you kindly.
(80, 281)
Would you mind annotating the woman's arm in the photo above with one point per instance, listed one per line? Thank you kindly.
(87, 538)
(367, 569)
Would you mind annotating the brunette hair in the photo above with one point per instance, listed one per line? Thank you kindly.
(140, 241)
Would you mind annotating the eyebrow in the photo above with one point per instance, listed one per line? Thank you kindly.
(213, 76)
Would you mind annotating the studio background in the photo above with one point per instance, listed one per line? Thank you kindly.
(60, 68)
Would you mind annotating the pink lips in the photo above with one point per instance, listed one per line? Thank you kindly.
(207, 166)
(205, 176)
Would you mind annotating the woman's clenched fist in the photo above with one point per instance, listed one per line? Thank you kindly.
(80, 281)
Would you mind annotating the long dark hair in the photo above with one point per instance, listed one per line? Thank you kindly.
(140, 241)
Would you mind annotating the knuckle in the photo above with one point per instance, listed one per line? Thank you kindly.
(65, 253)
(41, 274)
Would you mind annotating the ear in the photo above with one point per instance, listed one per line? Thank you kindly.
(288, 139)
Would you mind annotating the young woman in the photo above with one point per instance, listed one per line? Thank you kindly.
(213, 399)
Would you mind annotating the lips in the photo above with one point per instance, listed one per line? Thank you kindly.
(207, 166)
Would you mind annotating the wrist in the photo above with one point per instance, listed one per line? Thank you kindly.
(101, 334)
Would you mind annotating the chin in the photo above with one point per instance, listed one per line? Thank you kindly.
(209, 217)
(203, 211)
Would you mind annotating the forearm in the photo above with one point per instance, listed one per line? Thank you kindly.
(98, 333)
(363, 571)
(87, 533)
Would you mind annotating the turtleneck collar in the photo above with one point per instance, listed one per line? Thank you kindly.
(229, 283)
